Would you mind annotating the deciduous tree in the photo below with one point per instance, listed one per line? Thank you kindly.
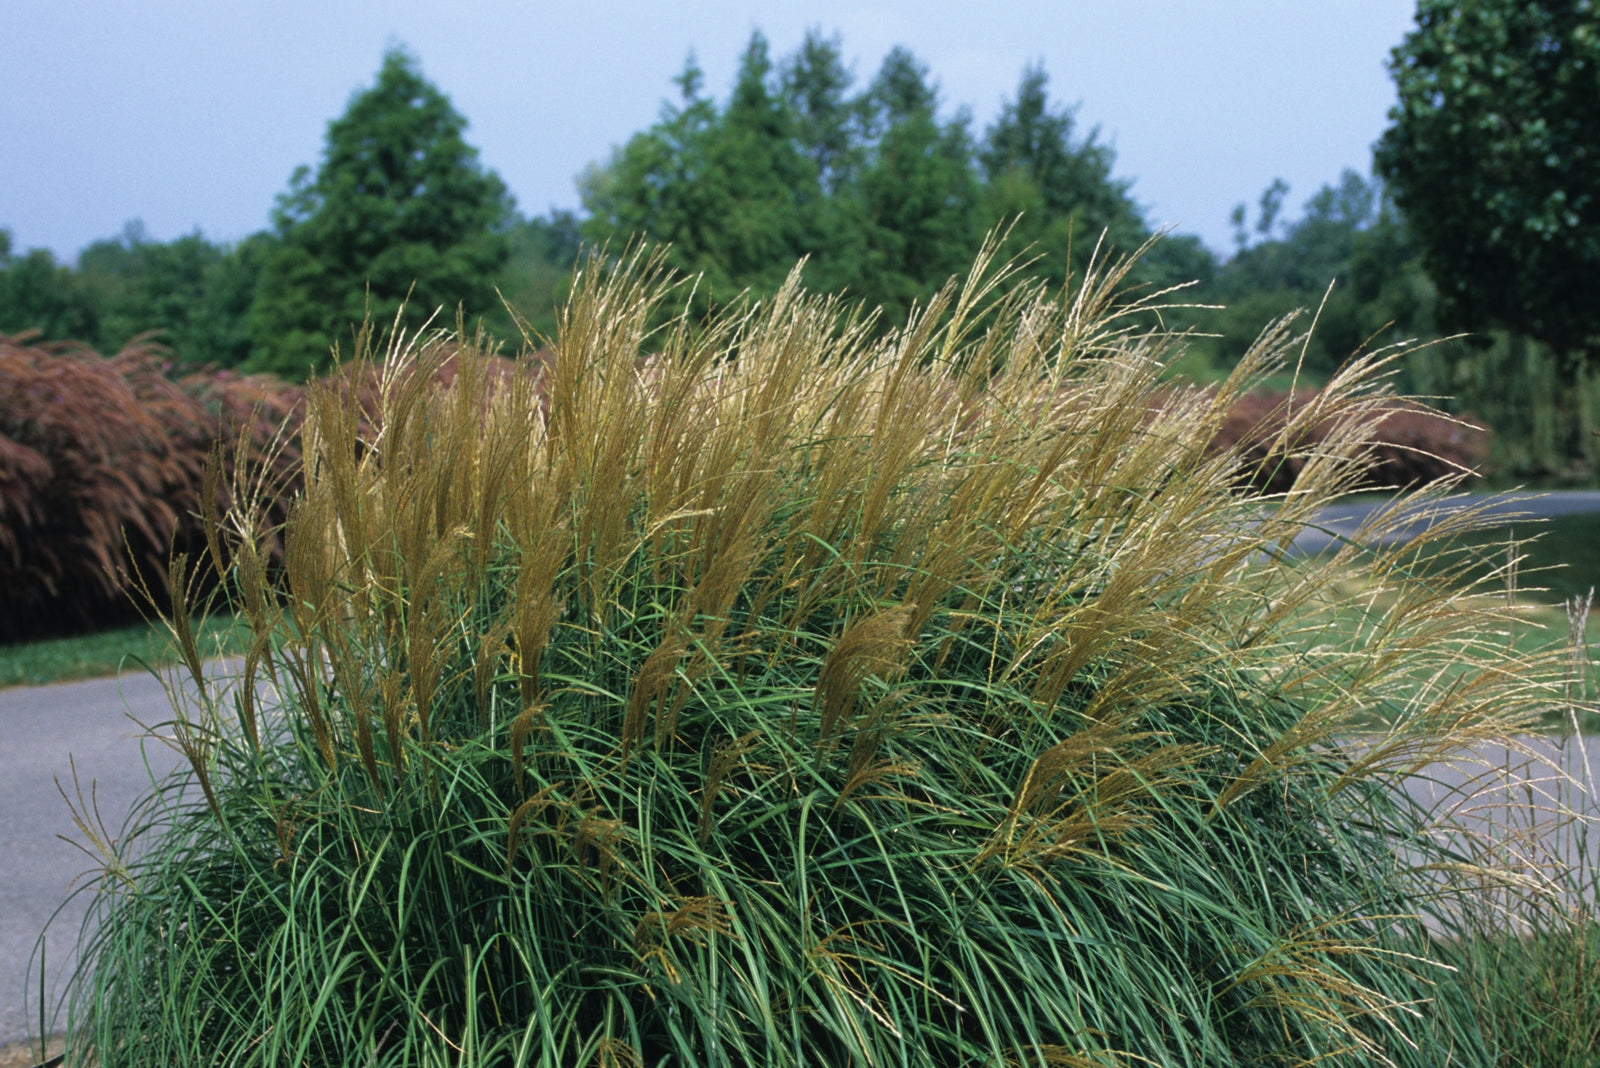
(37, 293)
(1493, 159)
(196, 294)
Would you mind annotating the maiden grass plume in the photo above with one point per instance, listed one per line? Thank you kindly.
(784, 690)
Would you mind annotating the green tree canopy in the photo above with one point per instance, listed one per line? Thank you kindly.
(885, 195)
(826, 119)
(196, 294)
(1493, 159)
(917, 194)
(399, 204)
(1349, 235)
(537, 276)
(727, 189)
(37, 293)
(1063, 193)
(1034, 166)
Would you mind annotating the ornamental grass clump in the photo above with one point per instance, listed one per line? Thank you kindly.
(784, 690)
(101, 464)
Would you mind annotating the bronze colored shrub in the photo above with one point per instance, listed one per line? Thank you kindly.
(102, 464)
(1411, 446)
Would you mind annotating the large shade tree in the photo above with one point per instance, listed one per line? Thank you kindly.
(885, 193)
(727, 188)
(1493, 159)
(400, 210)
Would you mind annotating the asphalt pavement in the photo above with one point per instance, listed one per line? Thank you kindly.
(1343, 522)
(45, 732)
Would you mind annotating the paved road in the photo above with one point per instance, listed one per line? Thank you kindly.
(1345, 520)
(1537, 806)
(40, 728)
(44, 731)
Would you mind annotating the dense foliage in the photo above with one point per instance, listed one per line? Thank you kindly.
(887, 191)
(1491, 155)
(537, 275)
(37, 293)
(927, 698)
(399, 210)
(102, 474)
(1348, 237)
(884, 194)
(196, 294)
(191, 294)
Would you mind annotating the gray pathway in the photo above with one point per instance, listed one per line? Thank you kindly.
(1533, 809)
(40, 729)
(1343, 521)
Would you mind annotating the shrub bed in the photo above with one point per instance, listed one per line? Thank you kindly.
(1413, 445)
(790, 697)
(102, 463)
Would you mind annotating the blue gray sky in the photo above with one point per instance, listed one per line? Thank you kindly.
(191, 114)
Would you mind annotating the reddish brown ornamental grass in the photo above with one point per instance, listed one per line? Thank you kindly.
(101, 471)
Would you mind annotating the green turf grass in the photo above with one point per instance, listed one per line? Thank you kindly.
(1561, 555)
(103, 653)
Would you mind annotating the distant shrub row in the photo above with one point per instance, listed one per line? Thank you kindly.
(1413, 445)
(102, 467)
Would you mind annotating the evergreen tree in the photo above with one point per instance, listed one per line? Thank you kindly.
(826, 121)
(768, 184)
(399, 205)
(654, 186)
(917, 195)
(829, 131)
(1062, 189)
(728, 190)
(887, 197)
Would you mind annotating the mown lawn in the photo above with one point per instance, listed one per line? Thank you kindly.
(1560, 562)
(103, 653)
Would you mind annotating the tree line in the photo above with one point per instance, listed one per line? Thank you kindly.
(885, 192)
